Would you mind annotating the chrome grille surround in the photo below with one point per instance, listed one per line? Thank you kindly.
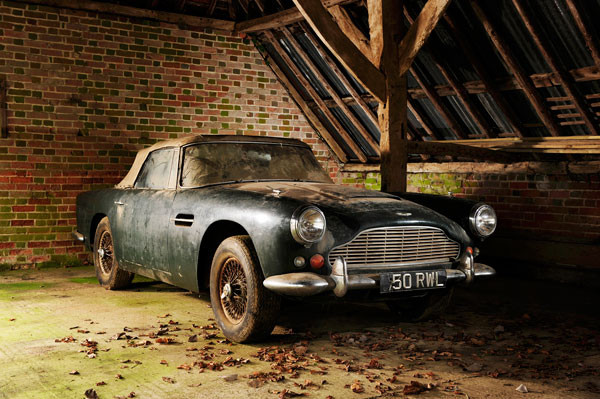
(398, 246)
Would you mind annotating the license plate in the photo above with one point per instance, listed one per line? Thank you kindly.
(412, 281)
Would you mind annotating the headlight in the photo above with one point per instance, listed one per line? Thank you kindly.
(308, 225)
(483, 220)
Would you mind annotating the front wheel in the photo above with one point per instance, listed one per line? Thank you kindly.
(422, 308)
(244, 309)
(107, 268)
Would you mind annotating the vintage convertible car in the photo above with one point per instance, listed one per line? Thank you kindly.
(256, 219)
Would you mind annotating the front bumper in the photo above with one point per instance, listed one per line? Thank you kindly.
(78, 236)
(307, 284)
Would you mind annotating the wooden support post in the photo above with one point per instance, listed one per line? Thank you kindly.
(312, 92)
(524, 81)
(3, 108)
(565, 79)
(323, 81)
(392, 111)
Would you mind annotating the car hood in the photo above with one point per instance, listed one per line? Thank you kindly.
(357, 208)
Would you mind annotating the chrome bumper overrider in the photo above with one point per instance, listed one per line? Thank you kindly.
(306, 283)
(78, 236)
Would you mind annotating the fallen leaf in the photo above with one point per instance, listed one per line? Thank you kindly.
(169, 380)
(118, 376)
(193, 338)
(356, 387)
(475, 367)
(164, 362)
(91, 394)
(230, 377)
(74, 372)
(414, 388)
(99, 384)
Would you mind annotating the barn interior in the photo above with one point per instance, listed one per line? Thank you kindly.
(495, 101)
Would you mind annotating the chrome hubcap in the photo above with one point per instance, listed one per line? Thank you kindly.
(226, 291)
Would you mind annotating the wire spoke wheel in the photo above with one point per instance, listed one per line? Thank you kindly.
(233, 290)
(106, 252)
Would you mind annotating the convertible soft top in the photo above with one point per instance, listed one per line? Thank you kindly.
(140, 158)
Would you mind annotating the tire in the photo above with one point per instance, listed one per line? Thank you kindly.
(418, 309)
(244, 309)
(105, 262)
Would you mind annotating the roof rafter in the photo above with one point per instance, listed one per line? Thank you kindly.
(565, 79)
(589, 38)
(316, 97)
(323, 81)
(524, 81)
(342, 47)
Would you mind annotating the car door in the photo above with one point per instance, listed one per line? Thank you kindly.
(146, 210)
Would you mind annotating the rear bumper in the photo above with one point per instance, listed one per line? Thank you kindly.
(307, 284)
(78, 236)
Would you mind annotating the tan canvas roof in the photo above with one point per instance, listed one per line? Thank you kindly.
(129, 180)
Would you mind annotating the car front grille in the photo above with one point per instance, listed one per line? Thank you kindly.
(396, 246)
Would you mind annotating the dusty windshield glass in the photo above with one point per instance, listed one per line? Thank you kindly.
(213, 163)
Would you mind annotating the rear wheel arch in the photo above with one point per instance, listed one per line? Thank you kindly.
(94, 225)
(214, 235)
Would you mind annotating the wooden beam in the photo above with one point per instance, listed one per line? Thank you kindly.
(487, 81)
(419, 32)
(392, 111)
(360, 99)
(345, 23)
(588, 36)
(460, 90)
(3, 107)
(437, 102)
(461, 151)
(211, 8)
(524, 81)
(323, 81)
(310, 115)
(564, 77)
(375, 15)
(342, 48)
(423, 120)
(279, 19)
(114, 9)
(316, 97)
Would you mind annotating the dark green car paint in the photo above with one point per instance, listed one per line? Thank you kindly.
(150, 241)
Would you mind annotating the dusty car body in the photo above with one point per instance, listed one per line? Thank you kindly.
(255, 219)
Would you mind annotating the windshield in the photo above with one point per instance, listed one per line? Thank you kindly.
(214, 163)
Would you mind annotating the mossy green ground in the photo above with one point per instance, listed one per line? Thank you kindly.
(39, 307)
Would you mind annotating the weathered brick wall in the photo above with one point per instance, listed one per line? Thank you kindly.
(86, 91)
(551, 201)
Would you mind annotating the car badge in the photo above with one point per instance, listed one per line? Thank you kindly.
(276, 193)
(403, 213)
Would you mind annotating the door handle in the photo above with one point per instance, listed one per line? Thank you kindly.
(183, 219)
(119, 203)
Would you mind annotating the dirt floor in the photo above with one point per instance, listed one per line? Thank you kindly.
(62, 335)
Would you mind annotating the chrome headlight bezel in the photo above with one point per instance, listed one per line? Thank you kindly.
(475, 218)
(296, 225)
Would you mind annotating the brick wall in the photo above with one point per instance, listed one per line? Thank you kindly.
(86, 91)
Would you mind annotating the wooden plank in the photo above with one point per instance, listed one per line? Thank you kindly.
(279, 19)
(460, 151)
(437, 102)
(528, 87)
(323, 81)
(342, 48)
(459, 89)
(360, 99)
(345, 23)
(375, 15)
(419, 32)
(586, 32)
(565, 79)
(310, 115)
(316, 98)
(487, 81)
(114, 9)
(3, 107)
